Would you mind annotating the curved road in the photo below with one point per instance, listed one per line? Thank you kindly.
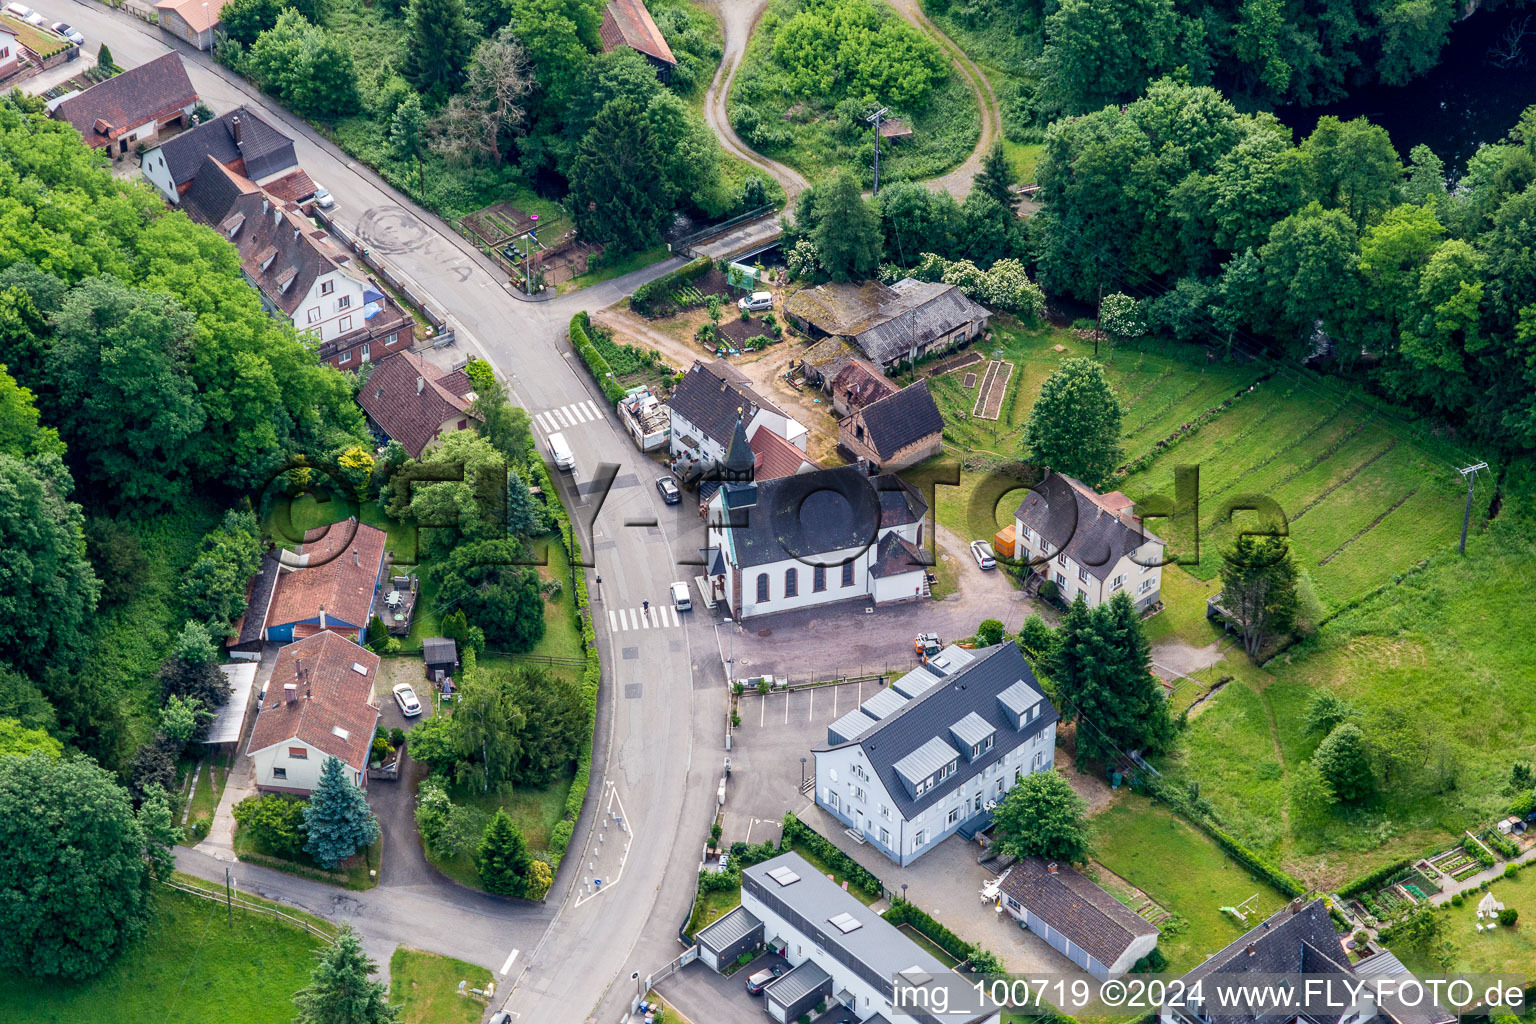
(659, 705)
(739, 18)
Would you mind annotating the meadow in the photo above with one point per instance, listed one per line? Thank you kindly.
(809, 132)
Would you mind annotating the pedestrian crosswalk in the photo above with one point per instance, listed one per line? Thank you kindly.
(656, 617)
(568, 415)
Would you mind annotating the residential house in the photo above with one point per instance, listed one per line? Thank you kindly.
(301, 274)
(853, 383)
(243, 142)
(934, 753)
(414, 402)
(774, 457)
(318, 704)
(328, 583)
(814, 538)
(1299, 939)
(131, 107)
(191, 21)
(1088, 543)
(10, 54)
(1078, 919)
(890, 324)
(840, 952)
(629, 23)
(705, 407)
(896, 431)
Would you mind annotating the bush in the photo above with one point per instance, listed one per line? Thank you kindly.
(596, 364)
(397, 737)
(1511, 870)
(990, 632)
(796, 831)
(200, 826)
(1508, 916)
(719, 881)
(1457, 899)
(1049, 591)
(1373, 880)
(655, 298)
(274, 823)
(1153, 963)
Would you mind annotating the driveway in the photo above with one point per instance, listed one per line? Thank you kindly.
(705, 997)
(394, 801)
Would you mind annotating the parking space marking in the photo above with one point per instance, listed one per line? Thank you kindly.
(810, 706)
(511, 957)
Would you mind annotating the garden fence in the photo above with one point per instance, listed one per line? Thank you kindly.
(259, 908)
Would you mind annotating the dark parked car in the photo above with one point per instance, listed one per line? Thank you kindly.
(669, 491)
(760, 980)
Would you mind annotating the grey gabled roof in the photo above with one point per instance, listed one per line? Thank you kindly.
(1062, 510)
(1019, 698)
(734, 926)
(915, 683)
(440, 650)
(902, 419)
(264, 149)
(925, 760)
(1385, 965)
(816, 513)
(1077, 908)
(884, 704)
(972, 729)
(1290, 941)
(849, 726)
(713, 396)
(921, 312)
(972, 688)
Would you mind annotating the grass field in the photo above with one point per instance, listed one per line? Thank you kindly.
(1186, 873)
(425, 987)
(803, 130)
(711, 906)
(1502, 950)
(190, 968)
(1366, 496)
(618, 268)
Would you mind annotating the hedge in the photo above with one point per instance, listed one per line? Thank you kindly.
(902, 912)
(857, 874)
(1375, 879)
(645, 298)
(596, 364)
(592, 671)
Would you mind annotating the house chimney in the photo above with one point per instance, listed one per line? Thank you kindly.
(290, 693)
(322, 617)
(234, 129)
(421, 382)
(354, 557)
(1051, 868)
(1296, 905)
(1253, 947)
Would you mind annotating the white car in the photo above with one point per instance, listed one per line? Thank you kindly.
(35, 20)
(21, 11)
(324, 198)
(982, 552)
(410, 707)
(68, 32)
(681, 598)
(757, 302)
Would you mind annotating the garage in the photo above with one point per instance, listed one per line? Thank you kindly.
(723, 942)
(797, 992)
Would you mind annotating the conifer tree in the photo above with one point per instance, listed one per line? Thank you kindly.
(341, 989)
(503, 859)
(337, 818)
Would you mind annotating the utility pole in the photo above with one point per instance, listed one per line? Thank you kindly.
(875, 120)
(528, 241)
(1470, 472)
(229, 895)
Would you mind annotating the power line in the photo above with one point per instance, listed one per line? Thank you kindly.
(1470, 472)
(875, 120)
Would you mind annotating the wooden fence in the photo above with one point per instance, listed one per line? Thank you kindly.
(244, 904)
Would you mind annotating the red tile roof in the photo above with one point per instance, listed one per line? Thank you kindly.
(628, 23)
(342, 565)
(293, 187)
(155, 91)
(334, 711)
(776, 457)
(410, 399)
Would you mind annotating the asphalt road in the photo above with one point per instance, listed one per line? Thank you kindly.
(647, 737)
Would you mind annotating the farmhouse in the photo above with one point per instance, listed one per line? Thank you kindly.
(891, 324)
(629, 23)
(933, 754)
(301, 275)
(414, 402)
(319, 704)
(815, 538)
(240, 140)
(1087, 543)
(706, 406)
(840, 951)
(331, 586)
(853, 383)
(131, 107)
(1081, 921)
(191, 21)
(896, 431)
(1299, 939)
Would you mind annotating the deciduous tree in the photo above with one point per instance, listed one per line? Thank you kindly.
(1042, 816)
(497, 591)
(1074, 427)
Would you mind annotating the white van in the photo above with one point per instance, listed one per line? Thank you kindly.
(561, 452)
(757, 302)
(680, 597)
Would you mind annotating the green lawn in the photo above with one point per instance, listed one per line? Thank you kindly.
(205, 799)
(820, 865)
(802, 130)
(618, 268)
(190, 968)
(927, 945)
(1184, 871)
(711, 906)
(425, 986)
(1499, 951)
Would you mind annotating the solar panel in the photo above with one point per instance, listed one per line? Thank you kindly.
(845, 923)
(783, 875)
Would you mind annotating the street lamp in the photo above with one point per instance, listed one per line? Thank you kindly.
(903, 892)
(802, 771)
(528, 241)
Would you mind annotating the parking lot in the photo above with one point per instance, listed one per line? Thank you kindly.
(704, 996)
(776, 731)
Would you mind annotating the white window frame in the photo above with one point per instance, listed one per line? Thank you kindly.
(346, 357)
(1117, 582)
(952, 817)
(343, 302)
(1145, 586)
(314, 314)
(1082, 575)
(327, 287)
(885, 836)
(1061, 581)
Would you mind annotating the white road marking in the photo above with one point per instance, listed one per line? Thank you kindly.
(810, 705)
(672, 613)
(613, 621)
(512, 956)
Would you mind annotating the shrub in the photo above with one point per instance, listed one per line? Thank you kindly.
(397, 737)
(581, 342)
(763, 685)
(1511, 870)
(200, 826)
(655, 297)
(714, 834)
(1153, 963)
(1457, 899)
(1508, 916)
(1049, 591)
(274, 823)
(1372, 880)
(989, 632)
(796, 831)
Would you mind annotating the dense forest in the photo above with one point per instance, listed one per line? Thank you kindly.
(1086, 53)
(463, 104)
